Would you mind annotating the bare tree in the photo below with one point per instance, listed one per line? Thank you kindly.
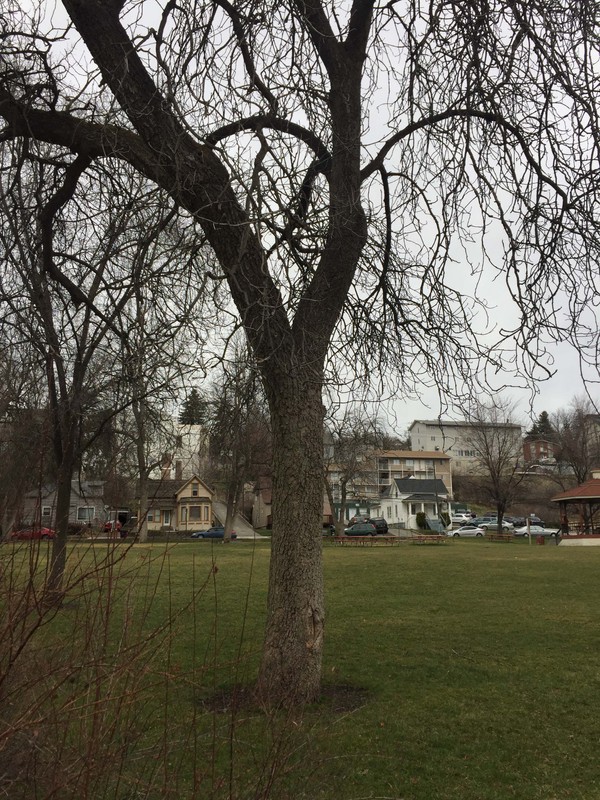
(72, 276)
(355, 437)
(576, 435)
(240, 438)
(24, 428)
(340, 161)
(498, 446)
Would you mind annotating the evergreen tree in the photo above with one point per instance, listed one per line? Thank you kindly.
(542, 427)
(194, 409)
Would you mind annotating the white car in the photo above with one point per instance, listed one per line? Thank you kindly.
(493, 525)
(467, 530)
(536, 530)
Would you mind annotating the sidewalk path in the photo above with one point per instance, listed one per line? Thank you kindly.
(240, 525)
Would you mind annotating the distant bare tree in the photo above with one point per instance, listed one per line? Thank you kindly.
(576, 431)
(498, 446)
(355, 436)
(240, 436)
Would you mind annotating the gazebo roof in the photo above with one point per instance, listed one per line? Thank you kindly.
(590, 490)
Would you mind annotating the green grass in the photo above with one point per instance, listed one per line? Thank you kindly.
(475, 665)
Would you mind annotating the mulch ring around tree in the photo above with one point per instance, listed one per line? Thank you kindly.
(334, 699)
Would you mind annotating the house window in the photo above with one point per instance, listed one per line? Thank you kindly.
(166, 517)
(46, 511)
(206, 513)
(150, 516)
(85, 513)
(195, 512)
(195, 490)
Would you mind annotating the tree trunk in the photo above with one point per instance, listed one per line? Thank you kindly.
(139, 415)
(231, 507)
(142, 524)
(290, 672)
(63, 505)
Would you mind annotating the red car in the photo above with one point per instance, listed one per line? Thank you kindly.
(33, 533)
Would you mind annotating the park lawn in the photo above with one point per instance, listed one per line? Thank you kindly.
(462, 671)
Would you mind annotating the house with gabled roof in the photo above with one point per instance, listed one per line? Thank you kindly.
(86, 506)
(182, 505)
(404, 498)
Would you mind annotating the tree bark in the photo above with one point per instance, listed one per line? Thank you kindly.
(66, 468)
(290, 672)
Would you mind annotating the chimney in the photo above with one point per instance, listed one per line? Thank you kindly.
(166, 466)
(178, 470)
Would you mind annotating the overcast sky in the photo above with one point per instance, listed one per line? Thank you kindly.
(552, 395)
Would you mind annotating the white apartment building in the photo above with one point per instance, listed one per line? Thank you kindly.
(457, 440)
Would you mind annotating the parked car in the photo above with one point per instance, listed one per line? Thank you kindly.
(217, 532)
(380, 524)
(533, 520)
(358, 519)
(467, 530)
(460, 519)
(493, 525)
(361, 529)
(537, 530)
(492, 522)
(33, 532)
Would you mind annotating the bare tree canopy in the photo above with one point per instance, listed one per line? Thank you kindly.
(351, 165)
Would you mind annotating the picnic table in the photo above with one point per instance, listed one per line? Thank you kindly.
(366, 541)
(428, 538)
(497, 536)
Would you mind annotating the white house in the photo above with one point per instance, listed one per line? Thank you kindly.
(404, 498)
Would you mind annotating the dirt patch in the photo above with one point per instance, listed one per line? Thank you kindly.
(335, 699)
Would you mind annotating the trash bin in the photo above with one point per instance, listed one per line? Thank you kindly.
(540, 540)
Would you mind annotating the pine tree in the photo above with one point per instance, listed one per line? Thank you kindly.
(542, 427)
(194, 409)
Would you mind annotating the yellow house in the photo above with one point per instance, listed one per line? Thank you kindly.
(181, 505)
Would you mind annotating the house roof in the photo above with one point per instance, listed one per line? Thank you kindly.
(79, 488)
(418, 498)
(590, 490)
(167, 488)
(449, 423)
(426, 485)
(416, 486)
(164, 489)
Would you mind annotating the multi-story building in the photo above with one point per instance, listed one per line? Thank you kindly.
(461, 440)
(425, 465)
(539, 450)
(377, 471)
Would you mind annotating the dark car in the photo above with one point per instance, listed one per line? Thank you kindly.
(27, 534)
(380, 524)
(358, 519)
(361, 529)
(217, 532)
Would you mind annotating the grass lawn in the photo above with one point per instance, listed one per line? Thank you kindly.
(460, 671)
